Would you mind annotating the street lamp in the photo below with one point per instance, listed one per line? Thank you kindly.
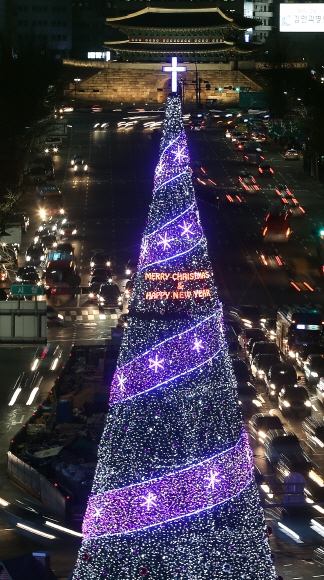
(76, 81)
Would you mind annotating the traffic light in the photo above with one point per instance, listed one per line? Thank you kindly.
(220, 89)
(207, 87)
(237, 89)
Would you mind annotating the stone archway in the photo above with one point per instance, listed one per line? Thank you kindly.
(163, 88)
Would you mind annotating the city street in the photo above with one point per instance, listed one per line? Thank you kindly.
(110, 206)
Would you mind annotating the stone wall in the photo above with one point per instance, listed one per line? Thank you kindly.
(139, 83)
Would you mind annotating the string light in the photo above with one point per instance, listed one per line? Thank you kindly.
(174, 495)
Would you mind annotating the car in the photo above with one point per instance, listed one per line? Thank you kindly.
(236, 135)
(3, 273)
(248, 397)
(241, 371)
(246, 334)
(294, 400)
(280, 441)
(43, 228)
(35, 254)
(68, 230)
(94, 285)
(27, 275)
(79, 164)
(283, 191)
(314, 369)
(109, 296)
(100, 259)
(249, 345)
(258, 136)
(269, 326)
(96, 109)
(241, 142)
(101, 126)
(48, 240)
(305, 350)
(248, 181)
(199, 120)
(52, 144)
(278, 376)
(292, 154)
(53, 317)
(22, 219)
(314, 431)
(320, 390)
(247, 315)
(263, 347)
(65, 247)
(260, 424)
(295, 463)
(293, 206)
(265, 170)
(270, 259)
(261, 364)
(276, 226)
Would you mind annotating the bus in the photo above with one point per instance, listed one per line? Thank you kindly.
(297, 327)
(50, 201)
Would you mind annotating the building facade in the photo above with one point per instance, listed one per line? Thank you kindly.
(45, 22)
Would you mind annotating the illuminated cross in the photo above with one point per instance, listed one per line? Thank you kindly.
(156, 363)
(197, 346)
(186, 230)
(212, 479)
(121, 382)
(97, 513)
(149, 500)
(174, 69)
(165, 241)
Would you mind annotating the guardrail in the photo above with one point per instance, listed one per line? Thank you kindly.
(37, 485)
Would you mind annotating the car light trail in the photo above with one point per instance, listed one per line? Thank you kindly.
(278, 260)
(63, 529)
(3, 502)
(239, 198)
(295, 286)
(309, 287)
(14, 397)
(290, 533)
(32, 396)
(212, 182)
(317, 527)
(35, 364)
(229, 197)
(37, 532)
(55, 363)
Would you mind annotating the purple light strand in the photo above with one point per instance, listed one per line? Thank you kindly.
(174, 495)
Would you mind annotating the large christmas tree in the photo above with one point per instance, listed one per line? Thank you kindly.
(174, 494)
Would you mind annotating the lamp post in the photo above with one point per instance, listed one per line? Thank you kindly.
(76, 81)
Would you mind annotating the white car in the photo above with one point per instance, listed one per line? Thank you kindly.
(292, 154)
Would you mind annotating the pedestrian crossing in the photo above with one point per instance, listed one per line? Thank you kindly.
(90, 314)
